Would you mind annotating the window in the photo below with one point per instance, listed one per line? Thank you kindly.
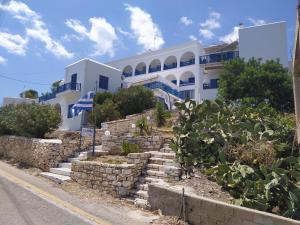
(189, 94)
(103, 82)
(70, 111)
(213, 84)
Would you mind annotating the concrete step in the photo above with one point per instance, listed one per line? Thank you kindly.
(65, 165)
(160, 161)
(55, 177)
(163, 155)
(155, 174)
(166, 150)
(141, 203)
(141, 194)
(61, 171)
(148, 180)
(73, 159)
(155, 167)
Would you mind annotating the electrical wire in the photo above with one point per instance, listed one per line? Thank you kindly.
(23, 81)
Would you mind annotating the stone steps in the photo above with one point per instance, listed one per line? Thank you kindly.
(55, 177)
(160, 161)
(141, 203)
(155, 167)
(166, 150)
(154, 174)
(61, 171)
(163, 155)
(141, 194)
(65, 165)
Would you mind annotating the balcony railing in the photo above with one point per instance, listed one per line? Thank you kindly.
(164, 87)
(218, 57)
(140, 72)
(68, 86)
(187, 63)
(155, 69)
(47, 97)
(127, 74)
(170, 66)
(190, 81)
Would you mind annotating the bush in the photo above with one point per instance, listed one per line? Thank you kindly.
(134, 100)
(144, 127)
(105, 112)
(100, 98)
(28, 120)
(129, 148)
(262, 81)
(248, 150)
(161, 114)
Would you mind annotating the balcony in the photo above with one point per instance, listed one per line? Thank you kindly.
(140, 72)
(218, 57)
(155, 69)
(68, 86)
(190, 81)
(127, 74)
(187, 63)
(170, 66)
(47, 97)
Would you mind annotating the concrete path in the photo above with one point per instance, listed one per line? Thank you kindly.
(30, 200)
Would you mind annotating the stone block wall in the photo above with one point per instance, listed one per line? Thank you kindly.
(115, 179)
(113, 144)
(40, 153)
(203, 211)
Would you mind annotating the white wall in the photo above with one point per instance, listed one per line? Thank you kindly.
(266, 41)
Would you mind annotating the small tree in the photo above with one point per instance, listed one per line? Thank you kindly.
(268, 81)
(33, 94)
(161, 114)
(55, 85)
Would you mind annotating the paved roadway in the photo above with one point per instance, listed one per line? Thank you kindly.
(30, 200)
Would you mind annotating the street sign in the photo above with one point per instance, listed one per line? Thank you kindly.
(87, 132)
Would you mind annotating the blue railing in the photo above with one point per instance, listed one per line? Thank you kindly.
(155, 69)
(164, 87)
(68, 86)
(60, 89)
(218, 57)
(140, 72)
(190, 81)
(47, 97)
(170, 66)
(187, 63)
(127, 74)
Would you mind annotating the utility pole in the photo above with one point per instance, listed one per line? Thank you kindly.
(296, 72)
(94, 114)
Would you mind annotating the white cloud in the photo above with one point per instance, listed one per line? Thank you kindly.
(207, 34)
(13, 43)
(231, 37)
(35, 27)
(185, 21)
(256, 22)
(102, 33)
(210, 24)
(192, 37)
(125, 33)
(2, 60)
(144, 29)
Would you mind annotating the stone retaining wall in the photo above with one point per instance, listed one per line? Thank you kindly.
(113, 144)
(40, 153)
(115, 179)
(203, 211)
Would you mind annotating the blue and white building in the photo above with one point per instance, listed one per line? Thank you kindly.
(188, 70)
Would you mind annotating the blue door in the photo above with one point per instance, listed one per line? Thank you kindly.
(73, 81)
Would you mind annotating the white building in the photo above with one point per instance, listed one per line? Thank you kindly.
(188, 70)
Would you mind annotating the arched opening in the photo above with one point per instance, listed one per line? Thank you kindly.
(155, 66)
(172, 78)
(170, 63)
(140, 69)
(187, 59)
(187, 78)
(127, 71)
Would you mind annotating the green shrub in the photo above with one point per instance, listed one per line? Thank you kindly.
(259, 80)
(28, 120)
(144, 127)
(161, 114)
(100, 98)
(105, 112)
(129, 148)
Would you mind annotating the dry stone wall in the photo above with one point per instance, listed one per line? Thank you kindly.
(113, 144)
(203, 211)
(40, 153)
(115, 179)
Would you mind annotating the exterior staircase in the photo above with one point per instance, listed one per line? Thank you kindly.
(62, 173)
(154, 173)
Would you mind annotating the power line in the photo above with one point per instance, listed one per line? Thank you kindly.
(23, 81)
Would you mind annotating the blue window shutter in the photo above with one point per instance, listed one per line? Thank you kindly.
(214, 83)
(103, 82)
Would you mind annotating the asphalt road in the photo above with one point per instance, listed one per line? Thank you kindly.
(29, 200)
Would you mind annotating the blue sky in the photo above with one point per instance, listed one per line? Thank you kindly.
(39, 38)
